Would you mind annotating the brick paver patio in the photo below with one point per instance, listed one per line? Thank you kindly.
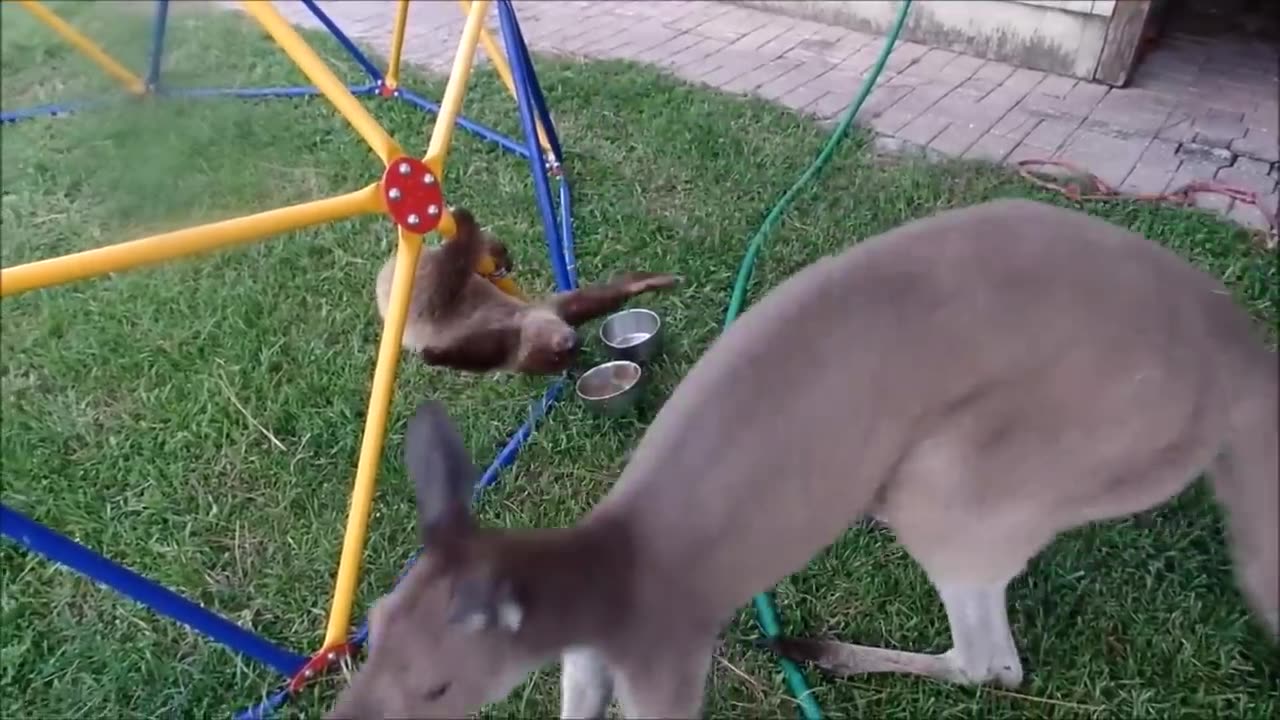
(1197, 110)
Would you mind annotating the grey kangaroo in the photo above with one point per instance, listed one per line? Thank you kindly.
(980, 380)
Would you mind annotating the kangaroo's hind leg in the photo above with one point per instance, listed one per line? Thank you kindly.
(982, 650)
(970, 547)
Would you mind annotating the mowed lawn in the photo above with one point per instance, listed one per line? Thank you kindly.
(127, 400)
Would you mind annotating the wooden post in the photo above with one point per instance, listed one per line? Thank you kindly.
(1120, 48)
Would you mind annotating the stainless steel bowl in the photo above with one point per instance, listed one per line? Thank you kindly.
(611, 389)
(634, 334)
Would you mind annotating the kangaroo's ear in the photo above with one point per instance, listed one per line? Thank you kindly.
(442, 473)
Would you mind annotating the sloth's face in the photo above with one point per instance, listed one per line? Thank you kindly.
(549, 345)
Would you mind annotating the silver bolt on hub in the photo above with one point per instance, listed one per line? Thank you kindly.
(404, 168)
(433, 210)
(394, 194)
(413, 219)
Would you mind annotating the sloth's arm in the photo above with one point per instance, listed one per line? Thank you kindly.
(453, 265)
(589, 302)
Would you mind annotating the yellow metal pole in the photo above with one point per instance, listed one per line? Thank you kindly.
(455, 90)
(506, 284)
(323, 78)
(179, 243)
(392, 76)
(86, 46)
(375, 428)
(503, 69)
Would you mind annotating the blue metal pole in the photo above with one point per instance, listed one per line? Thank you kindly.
(540, 102)
(516, 443)
(553, 138)
(263, 710)
(374, 73)
(475, 128)
(566, 226)
(52, 109)
(157, 44)
(55, 109)
(61, 549)
(537, 164)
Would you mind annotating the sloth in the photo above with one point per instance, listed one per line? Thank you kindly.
(458, 319)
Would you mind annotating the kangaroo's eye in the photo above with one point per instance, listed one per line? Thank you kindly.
(436, 692)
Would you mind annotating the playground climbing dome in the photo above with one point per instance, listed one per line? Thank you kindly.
(409, 193)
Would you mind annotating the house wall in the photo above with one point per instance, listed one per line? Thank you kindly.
(1058, 36)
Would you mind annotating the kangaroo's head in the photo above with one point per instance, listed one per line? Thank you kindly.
(447, 640)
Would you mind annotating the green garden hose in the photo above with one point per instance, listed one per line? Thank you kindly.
(766, 614)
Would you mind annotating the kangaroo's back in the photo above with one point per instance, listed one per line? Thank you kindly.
(1061, 340)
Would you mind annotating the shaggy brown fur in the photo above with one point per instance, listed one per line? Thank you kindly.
(460, 320)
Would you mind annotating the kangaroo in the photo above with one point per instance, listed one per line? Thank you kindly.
(461, 321)
(980, 380)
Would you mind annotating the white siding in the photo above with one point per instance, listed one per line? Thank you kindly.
(1059, 36)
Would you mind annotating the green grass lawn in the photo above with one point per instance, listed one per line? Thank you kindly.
(122, 397)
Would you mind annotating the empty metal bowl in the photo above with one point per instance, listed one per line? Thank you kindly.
(611, 388)
(634, 335)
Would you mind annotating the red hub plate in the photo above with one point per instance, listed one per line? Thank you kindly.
(412, 194)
